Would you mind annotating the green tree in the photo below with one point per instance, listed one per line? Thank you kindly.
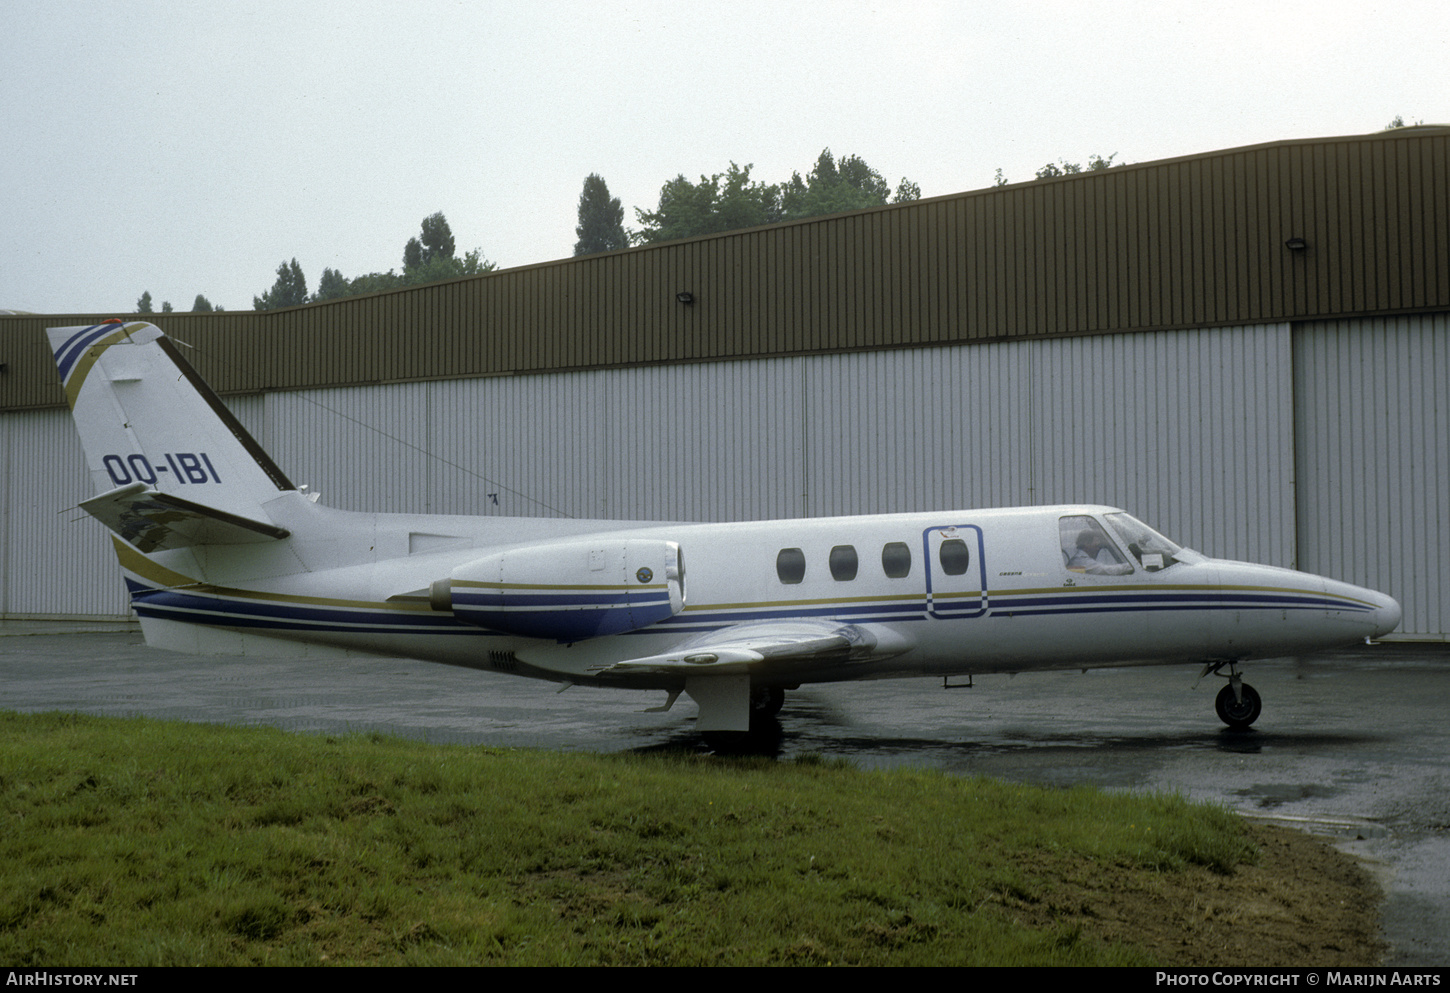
(427, 258)
(143, 305)
(833, 187)
(441, 267)
(332, 286)
(855, 173)
(201, 305)
(472, 264)
(722, 202)
(601, 219)
(290, 289)
(1060, 168)
(1063, 167)
(373, 282)
(450, 266)
(166, 306)
(730, 200)
(435, 242)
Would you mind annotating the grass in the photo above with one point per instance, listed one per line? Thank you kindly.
(144, 842)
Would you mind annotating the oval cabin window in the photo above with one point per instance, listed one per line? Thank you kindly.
(896, 560)
(843, 563)
(954, 557)
(790, 565)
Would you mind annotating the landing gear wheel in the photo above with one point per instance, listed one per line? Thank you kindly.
(766, 700)
(1235, 712)
(728, 742)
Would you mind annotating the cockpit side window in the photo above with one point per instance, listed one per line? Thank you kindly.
(1151, 549)
(1087, 548)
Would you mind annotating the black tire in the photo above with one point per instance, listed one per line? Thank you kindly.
(767, 700)
(726, 742)
(1238, 714)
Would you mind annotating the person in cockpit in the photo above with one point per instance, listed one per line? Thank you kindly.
(1093, 555)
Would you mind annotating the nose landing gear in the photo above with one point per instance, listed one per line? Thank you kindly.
(1238, 703)
(1238, 710)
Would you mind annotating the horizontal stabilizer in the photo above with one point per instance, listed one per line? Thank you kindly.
(151, 520)
(771, 648)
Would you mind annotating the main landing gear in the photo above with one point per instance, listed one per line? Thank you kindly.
(1238, 703)
(766, 700)
(764, 735)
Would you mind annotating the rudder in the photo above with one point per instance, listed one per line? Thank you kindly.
(146, 417)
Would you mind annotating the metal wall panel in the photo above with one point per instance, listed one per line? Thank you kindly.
(1190, 430)
(56, 560)
(367, 441)
(1373, 444)
(11, 438)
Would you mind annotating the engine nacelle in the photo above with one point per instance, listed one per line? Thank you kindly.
(568, 591)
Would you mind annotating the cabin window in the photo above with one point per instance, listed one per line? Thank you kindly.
(1087, 548)
(790, 565)
(896, 559)
(843, 563)
(954, 557)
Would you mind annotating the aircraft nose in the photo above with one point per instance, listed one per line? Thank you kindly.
(1382, 617)
(1387, 614)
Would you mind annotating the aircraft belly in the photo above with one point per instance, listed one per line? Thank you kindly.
(1087, 623)
(1284, 632)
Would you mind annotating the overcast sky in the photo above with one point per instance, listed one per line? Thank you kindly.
(189, 147)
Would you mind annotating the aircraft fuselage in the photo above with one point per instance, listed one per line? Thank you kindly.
(1010, 605)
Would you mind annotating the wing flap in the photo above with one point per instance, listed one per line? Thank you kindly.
(772, 648)
(152, 520)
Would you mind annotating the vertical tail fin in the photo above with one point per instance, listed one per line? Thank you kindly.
(149, 424)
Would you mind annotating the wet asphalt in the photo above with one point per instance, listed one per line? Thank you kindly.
(1353, 745)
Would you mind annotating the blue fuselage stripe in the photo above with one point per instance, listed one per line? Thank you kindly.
(559, 601)
(235, 612)
(216, 610)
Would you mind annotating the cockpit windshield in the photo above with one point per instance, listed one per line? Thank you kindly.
(1151, 549)
(1087, 548)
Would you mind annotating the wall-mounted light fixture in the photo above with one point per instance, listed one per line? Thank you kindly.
(685, 297)
(1296, 244)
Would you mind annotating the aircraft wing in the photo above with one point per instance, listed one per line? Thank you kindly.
(150, 520)
(766, 648)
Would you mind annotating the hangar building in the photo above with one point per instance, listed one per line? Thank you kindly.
(1248, 349)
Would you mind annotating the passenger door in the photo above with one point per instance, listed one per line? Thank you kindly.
(956, 571)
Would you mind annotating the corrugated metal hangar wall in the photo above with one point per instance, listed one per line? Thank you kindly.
(1314, 443)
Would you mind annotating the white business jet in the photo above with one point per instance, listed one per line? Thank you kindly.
(222, 554)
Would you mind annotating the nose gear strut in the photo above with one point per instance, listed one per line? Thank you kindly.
(1238, 703)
